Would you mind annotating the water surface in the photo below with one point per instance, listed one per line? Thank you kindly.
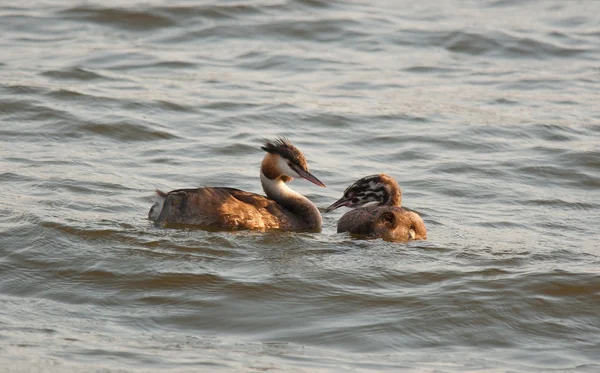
(485, 112)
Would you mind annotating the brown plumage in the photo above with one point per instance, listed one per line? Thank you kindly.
(397, 224)
(228, 208)
(386, 219)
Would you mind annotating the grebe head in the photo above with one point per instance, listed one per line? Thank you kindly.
(380, 189)
(284, 161)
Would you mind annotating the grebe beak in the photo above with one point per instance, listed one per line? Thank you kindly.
(308, 176)
(339, 203)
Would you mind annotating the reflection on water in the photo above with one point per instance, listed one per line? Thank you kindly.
(486, 114)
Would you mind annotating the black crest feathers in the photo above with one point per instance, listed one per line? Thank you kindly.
(284, 148)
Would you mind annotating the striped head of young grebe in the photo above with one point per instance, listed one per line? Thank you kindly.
(380, 190)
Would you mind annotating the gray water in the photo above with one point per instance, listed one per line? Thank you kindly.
(486, 112)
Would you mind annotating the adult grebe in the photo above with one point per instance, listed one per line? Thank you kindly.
(385, 218)
(228, 208)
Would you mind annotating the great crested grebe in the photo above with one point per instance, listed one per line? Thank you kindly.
(228, 208)
(385, 218)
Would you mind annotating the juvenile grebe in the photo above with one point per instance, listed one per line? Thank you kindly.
(228, 208)
(384, 218)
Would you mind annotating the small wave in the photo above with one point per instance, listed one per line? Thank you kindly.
(215, 11)
(225, 11)
(121, 131)
(6, 177)
(500, 224)
(73, 73)
(22, 108)
(87, 233)
(424, 69)
(259, 61)
(503, 44)
(128, 19)
(527, 47)
(322, 30)
(562, 284)
(160, 65)
(32, 111)
(237, 149)
(162, 281)
(477, 42)
(562, 204)
(544, 173)
(589, 159)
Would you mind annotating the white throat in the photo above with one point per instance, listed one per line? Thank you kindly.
(300, 207)
(278, 190)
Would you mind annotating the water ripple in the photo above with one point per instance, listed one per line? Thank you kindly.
(127, 19)
(74, 73)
